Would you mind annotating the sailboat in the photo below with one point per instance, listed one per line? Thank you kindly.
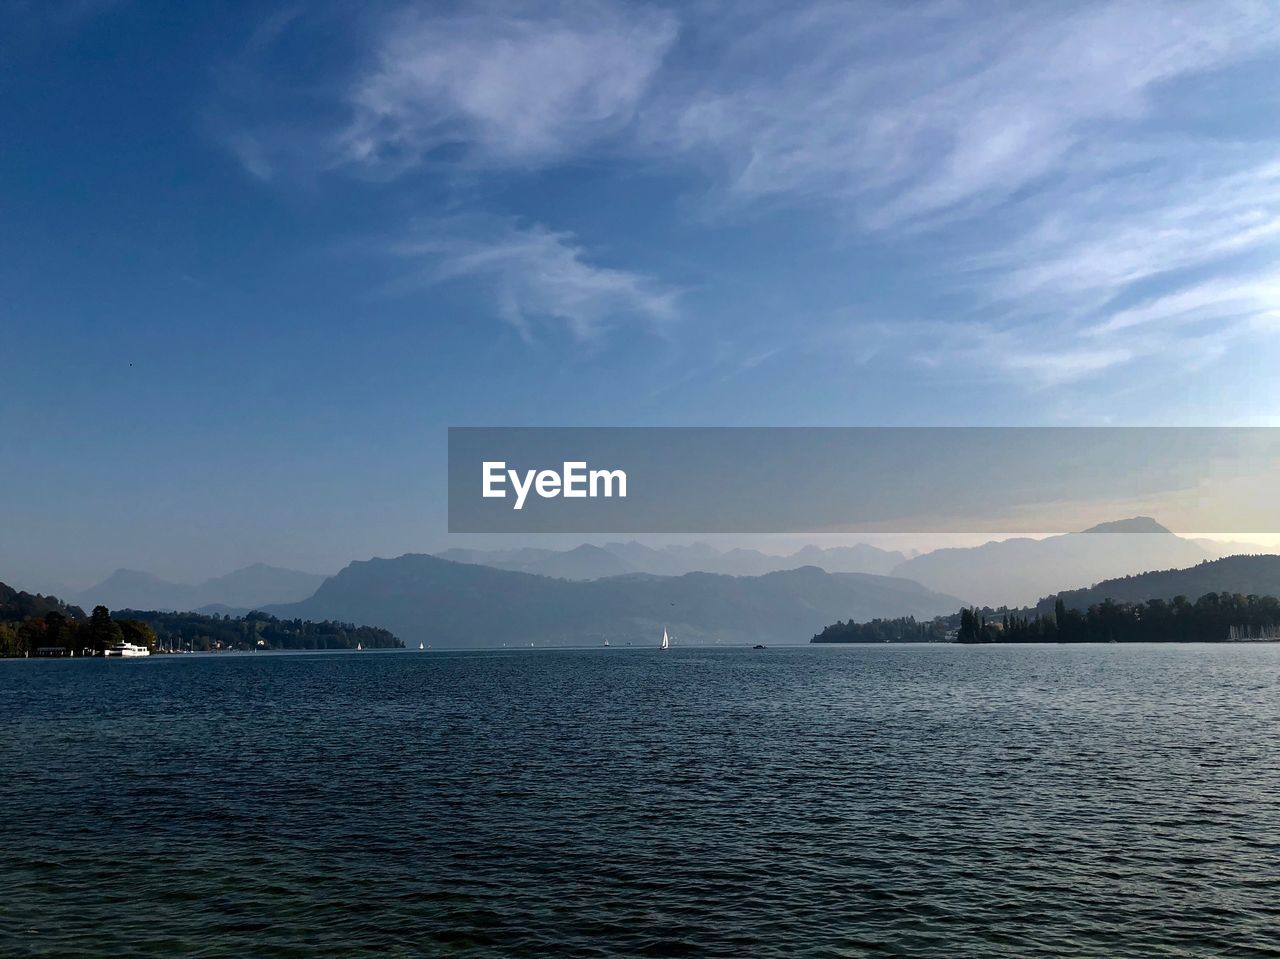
(421, 647)
(666, 640)
(359, 647)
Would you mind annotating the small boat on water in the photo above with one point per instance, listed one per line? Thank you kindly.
(359, 647)
(126, 649)
(666, 640)
(606, 642)
(421, 647)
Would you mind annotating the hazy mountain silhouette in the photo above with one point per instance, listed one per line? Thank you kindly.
(581, 562)
(1257, 575)
(246, 588)
(859, 558)
(428, 599)
(1222, 548)
(221, 609)
(513, 559)
(613, 559)
(1018, 572)
(135, 589)
(703, 558)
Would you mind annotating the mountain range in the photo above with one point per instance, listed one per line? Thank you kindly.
(429, 599)
(433, 600)
(242, 589)
(1014, 572)
(614, 559)
(1019, 571)
(627, 590)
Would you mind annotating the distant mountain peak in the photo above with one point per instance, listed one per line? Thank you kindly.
(587, 561)
(1020, 570)
(1135, 524)
(123, 576)
(245, 588)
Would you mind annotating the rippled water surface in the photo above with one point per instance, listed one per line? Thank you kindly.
(856, 801)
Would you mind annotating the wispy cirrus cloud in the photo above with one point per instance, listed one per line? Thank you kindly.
(905, 112)
(489, 85)
(1084, 244)
(1041, 359)
(486, 86)
(1087, 216)
(900, 112)
(1088, 223)
(1223, 302)
(1172, 261)
(538, 279)
(505, 83)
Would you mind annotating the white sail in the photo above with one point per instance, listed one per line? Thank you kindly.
(666, 640)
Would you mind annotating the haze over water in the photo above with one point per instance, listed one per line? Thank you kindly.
(858, 801)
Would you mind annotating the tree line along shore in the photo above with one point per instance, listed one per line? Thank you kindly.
(35, 625)
(1212, 618)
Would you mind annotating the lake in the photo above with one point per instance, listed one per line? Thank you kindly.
(831, 801)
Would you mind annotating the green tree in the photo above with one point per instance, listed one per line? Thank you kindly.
(9, 640)
(103, 631)
(30, 636)
(137, 632)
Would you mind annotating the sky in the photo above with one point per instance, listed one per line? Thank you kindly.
(256, 258)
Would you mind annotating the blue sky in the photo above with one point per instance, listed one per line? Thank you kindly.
(254, 259)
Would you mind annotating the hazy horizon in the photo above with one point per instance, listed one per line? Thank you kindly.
(779, 545)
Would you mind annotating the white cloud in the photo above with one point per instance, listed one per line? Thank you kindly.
(1056, 367)
(1168, 263)
(507, 84)
(1213, 300)
(904, 112)
(1037, 357)
(1084, 214)
(248, 149)
(539, 278)
(1087, 244)
(1042, 152)
(901, 113)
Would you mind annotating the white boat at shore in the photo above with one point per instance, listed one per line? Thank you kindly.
(126, 649)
